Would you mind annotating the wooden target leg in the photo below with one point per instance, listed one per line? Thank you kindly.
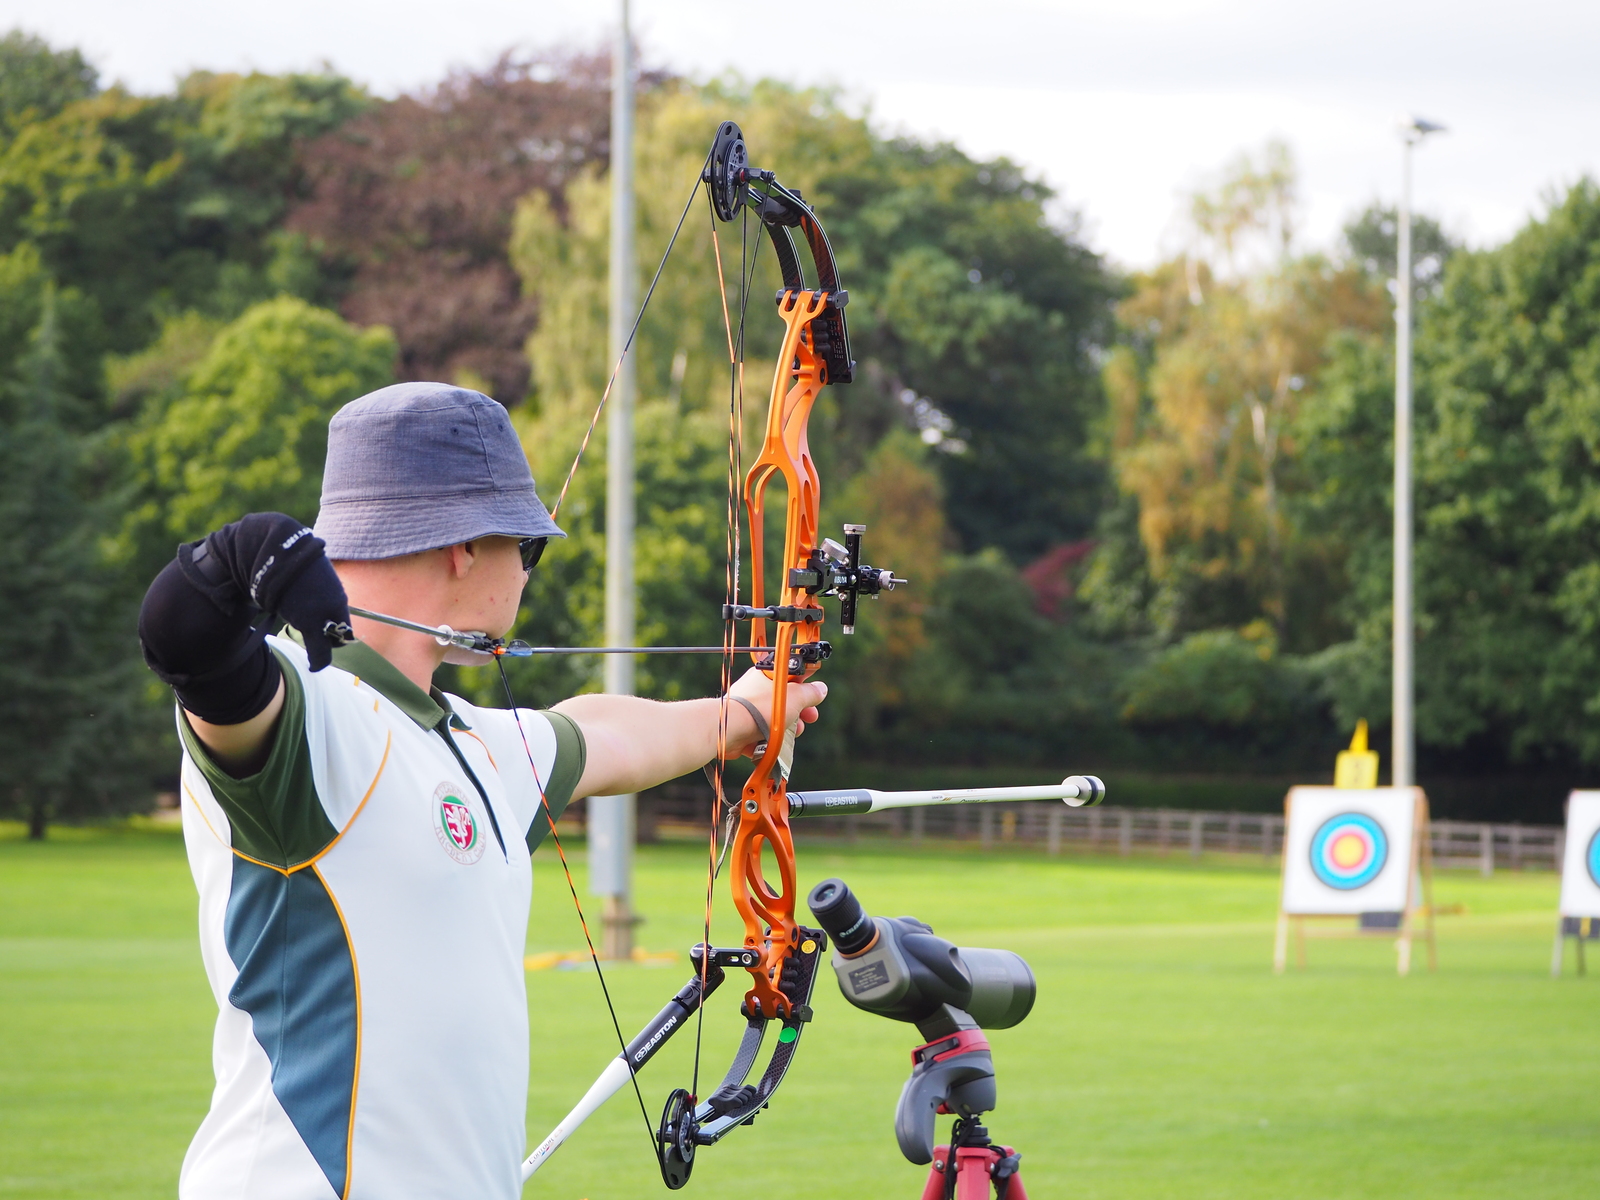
(1582, 965)
(1280, 945)
(1425, 855)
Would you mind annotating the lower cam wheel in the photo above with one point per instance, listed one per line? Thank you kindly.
(676, 1134)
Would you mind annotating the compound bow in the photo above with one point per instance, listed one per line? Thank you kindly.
(815, 352)
(780, 955)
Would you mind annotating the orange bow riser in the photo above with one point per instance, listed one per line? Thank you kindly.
(768, 911)
(781, 956)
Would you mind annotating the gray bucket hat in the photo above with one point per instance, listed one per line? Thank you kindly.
(417, 466)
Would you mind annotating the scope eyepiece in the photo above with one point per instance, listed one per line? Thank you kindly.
(841, 916)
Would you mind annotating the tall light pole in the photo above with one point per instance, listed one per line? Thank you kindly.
(1402, 770)
(611, 818)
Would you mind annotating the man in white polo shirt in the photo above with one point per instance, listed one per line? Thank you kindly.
(360, 839)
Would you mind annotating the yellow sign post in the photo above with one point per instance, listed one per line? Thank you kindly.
(1356, 767)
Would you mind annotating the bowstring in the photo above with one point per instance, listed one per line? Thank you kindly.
(505, 681)
(628, 344)
(735, 473)
(746, 281)
(572, 888)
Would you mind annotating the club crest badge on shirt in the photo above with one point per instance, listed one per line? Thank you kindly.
(455, 825)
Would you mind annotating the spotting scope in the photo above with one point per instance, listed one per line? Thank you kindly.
(896, 967)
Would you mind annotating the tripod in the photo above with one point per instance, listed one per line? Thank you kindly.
(955, 1074)
(978, 1163)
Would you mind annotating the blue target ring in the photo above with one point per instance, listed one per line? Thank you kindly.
(1349, 850)
(1593, 858)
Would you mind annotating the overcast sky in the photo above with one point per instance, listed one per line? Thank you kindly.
(1121, 105)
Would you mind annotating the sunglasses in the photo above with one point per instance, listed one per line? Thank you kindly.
(532, 549)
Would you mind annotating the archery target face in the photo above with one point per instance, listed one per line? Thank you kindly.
(1348, 850)
(1580, 865)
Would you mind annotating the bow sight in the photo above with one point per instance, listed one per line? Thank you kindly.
(831, 570)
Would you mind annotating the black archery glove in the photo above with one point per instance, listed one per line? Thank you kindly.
(204, 621)
(271, 564)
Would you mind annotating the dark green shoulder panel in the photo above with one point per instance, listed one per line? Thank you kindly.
(571, 754)
(275, 815)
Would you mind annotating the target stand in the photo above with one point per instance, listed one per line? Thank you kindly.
(1579, 916)
(1361, 853)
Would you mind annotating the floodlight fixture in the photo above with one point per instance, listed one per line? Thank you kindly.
(1414, 128)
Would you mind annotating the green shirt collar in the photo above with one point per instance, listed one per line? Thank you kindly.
(428, 709)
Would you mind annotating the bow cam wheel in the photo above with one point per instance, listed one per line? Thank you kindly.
(724, 173)
(677, 1137)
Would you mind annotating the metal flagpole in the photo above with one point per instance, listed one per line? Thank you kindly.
(611, 818)
(1403, 747)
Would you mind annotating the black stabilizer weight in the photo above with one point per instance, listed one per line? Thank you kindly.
(672, 1016)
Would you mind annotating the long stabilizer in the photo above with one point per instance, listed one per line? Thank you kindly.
(615, 1077)
(1076, 790)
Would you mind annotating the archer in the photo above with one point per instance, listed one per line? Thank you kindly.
(359, 838)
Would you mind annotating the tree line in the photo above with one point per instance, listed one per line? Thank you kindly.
(1145, 515)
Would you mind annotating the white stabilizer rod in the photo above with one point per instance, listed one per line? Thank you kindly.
(1076, 790)
(612, 1080)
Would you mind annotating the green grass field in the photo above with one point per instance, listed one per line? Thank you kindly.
(1163, 1058)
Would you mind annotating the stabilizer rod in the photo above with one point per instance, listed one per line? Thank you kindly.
(1076, 790)
(625, 1065)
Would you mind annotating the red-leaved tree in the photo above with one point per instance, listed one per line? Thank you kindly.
(412, 202)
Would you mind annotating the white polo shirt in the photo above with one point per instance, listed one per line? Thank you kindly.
(363, 918)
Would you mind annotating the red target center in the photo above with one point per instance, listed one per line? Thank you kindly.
(1348, 850)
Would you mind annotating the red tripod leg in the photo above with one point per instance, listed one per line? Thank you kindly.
(934, 1190)
(974, 1167)
(972, 1171)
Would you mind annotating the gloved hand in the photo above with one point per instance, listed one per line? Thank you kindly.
(272, 563)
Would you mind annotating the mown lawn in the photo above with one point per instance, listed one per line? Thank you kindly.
(1163, 1058)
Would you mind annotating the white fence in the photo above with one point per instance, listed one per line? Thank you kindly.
(1120, 830)
(1486, 846)
(1109, 829)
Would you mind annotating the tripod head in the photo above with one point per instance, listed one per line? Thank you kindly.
(896, 967)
